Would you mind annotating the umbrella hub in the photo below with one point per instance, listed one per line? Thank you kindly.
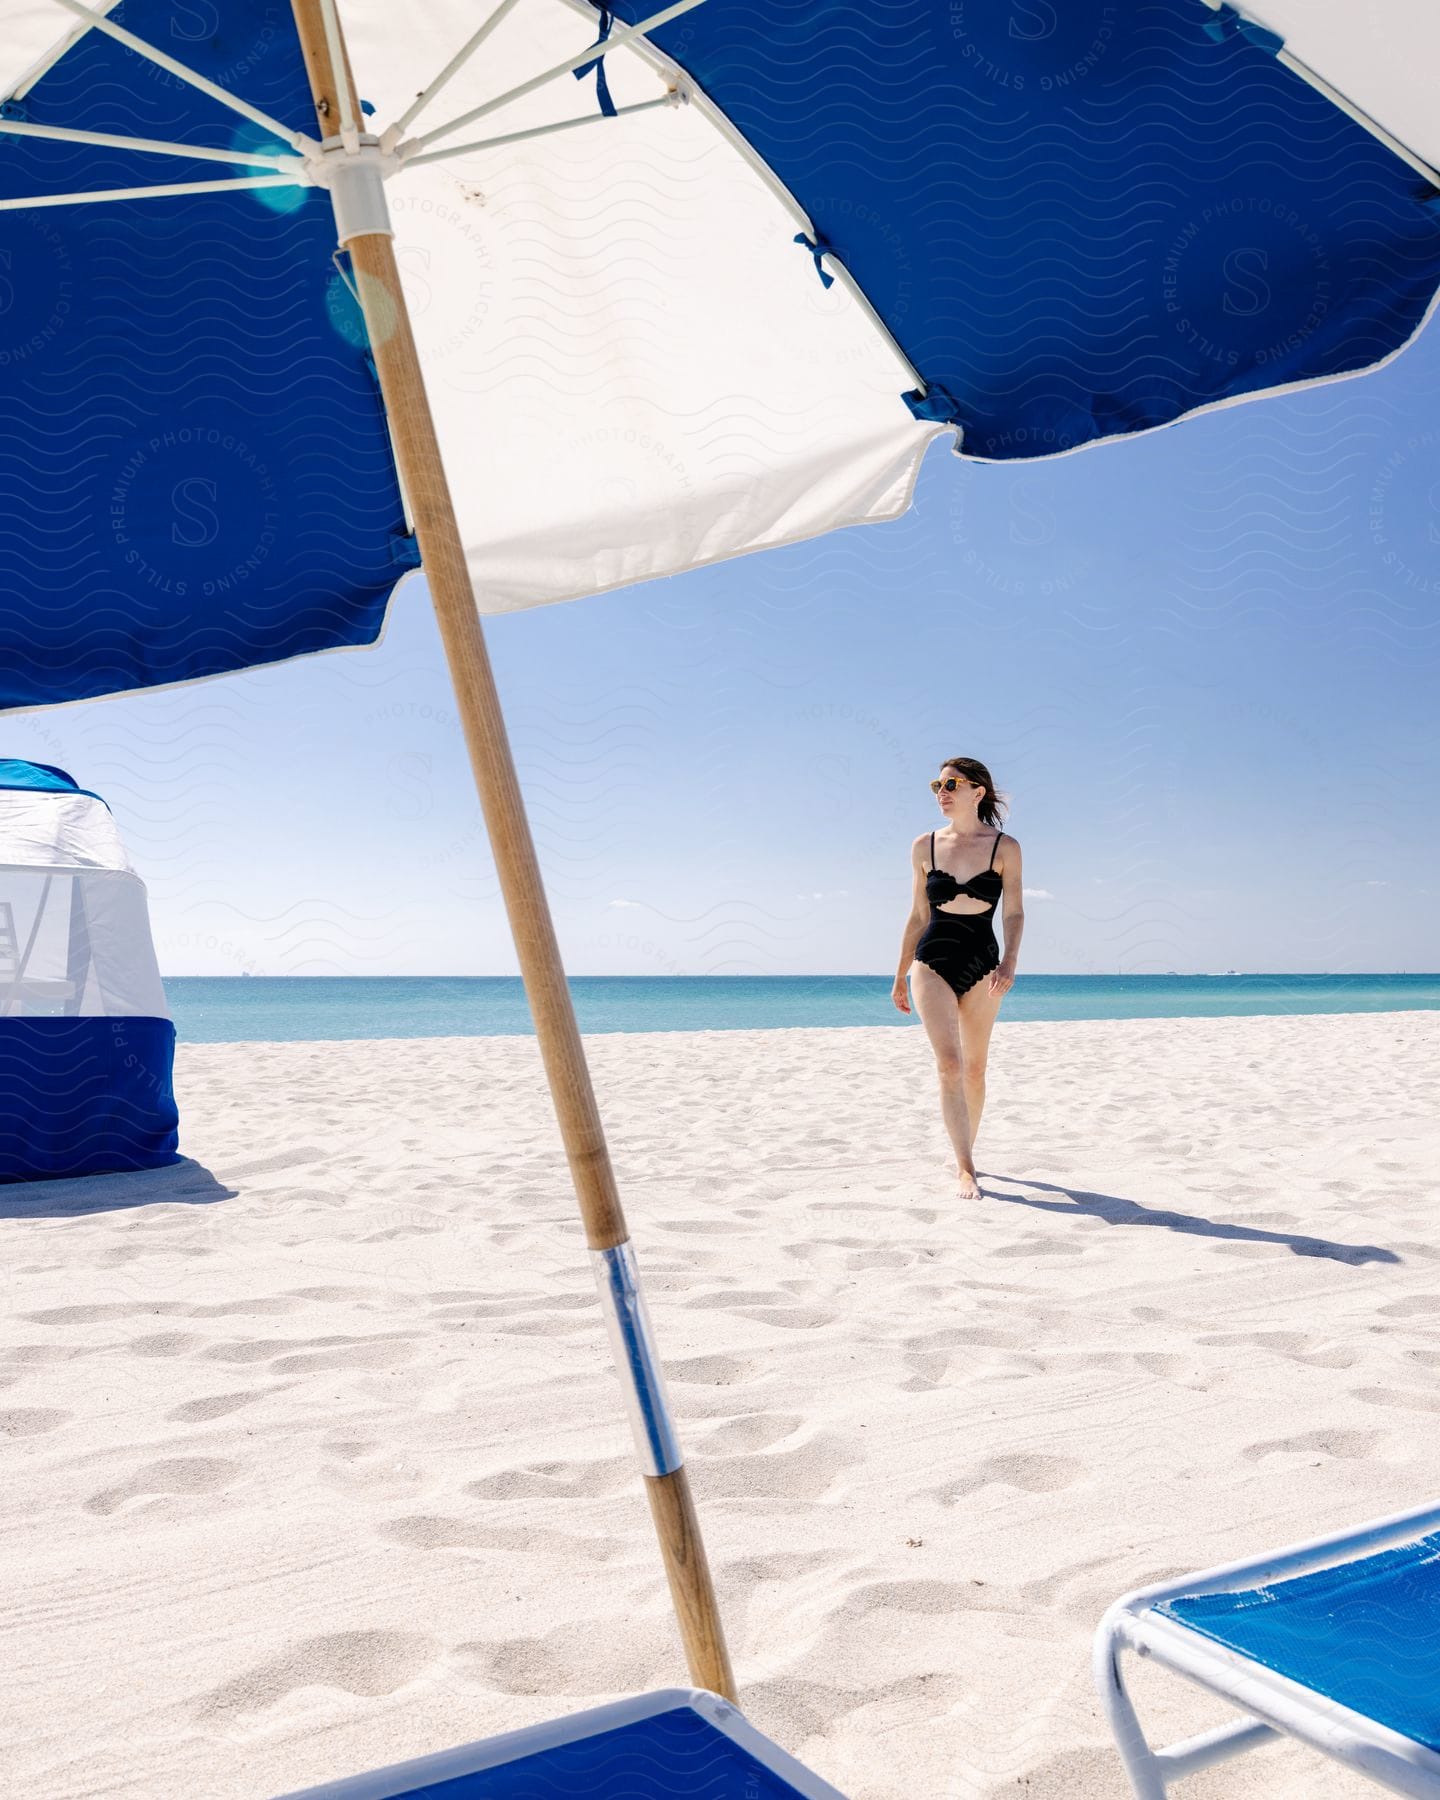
(356, 180)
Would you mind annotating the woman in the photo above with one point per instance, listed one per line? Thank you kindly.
(957, 974)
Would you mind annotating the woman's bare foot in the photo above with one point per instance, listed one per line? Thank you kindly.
(969, 1186)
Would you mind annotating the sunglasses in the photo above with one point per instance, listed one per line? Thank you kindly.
(949, 784)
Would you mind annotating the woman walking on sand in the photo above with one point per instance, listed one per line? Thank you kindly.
(958, 976)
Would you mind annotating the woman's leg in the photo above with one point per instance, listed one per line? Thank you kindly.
(977, 1012)
(940, 1015)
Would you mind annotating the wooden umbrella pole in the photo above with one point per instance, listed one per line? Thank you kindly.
(417, 453)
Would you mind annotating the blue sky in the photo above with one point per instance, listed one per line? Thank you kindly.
(1202, 664)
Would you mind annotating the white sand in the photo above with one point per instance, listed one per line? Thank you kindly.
(316, 1461)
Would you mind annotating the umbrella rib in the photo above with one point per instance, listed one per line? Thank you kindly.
(591, 53)
(1346, 105)
(109, 141)
(330, 19)
(451, 69)
(100, 23)
(146, 193)
(515, 137)
(1360, 116)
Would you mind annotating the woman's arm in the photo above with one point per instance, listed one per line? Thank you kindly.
(1012, 913)
(914, 925)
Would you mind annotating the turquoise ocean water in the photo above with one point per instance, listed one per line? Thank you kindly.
(230, 1010)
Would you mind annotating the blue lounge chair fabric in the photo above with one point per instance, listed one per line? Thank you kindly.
(1335, 1642)
(1385, 1612)
(675, 1744)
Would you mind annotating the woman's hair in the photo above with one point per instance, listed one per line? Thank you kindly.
(991, 804)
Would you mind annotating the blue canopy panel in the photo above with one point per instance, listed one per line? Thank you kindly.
(195, 473)
(86, 1097)
(1078, 220)
(1364, 1633)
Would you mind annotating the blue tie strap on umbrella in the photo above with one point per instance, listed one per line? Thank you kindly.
(201, 473)
(1229, 23)
(597, 67)
(819, 249)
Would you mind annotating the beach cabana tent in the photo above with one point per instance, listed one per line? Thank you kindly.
(86, 1043)
(678, 285)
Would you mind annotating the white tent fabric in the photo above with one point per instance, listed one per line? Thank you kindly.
(74, 925)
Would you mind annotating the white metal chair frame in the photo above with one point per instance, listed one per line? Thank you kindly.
(1273, 1704)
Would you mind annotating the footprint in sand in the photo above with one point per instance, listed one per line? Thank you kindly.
(361, 1354)
(1029, 1470)
(269, 1306)
(807, 1472)
(1413, 1399)
(167, 1343)
(942, 1598)
(1293, 1345)
(1348, 1445)
(713, 1371)
(174, 1475)
(564, 1661)
(556, 1481)
(1040, 1247)
(753, 1431)
(279, 1163)
(738, 1297)
(709, 1227)
(31, 1421)
(94, 1315)
(214, 1406)
(1416, 1306)
(434, 1531)
(792, 1318)
(370, 1664)
(783, 1565)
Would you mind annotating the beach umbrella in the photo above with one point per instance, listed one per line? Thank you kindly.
(683, 283)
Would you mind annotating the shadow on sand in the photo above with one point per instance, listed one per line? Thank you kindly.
(185, 1183)
(1115, 1211)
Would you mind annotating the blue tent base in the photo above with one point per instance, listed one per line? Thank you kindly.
(677, 1742)
(86, 1097)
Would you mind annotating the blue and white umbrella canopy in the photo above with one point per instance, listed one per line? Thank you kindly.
(86, 1043)
(779, 251)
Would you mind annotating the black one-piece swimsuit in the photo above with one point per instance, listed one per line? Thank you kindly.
(961, 946)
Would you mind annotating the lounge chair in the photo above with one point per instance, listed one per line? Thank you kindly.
(661, 1746)
(1343, 1653)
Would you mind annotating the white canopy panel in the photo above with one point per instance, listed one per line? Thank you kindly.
(623, 307)
(1383, 55)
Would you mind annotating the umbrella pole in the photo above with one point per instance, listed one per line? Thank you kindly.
(417, 454)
